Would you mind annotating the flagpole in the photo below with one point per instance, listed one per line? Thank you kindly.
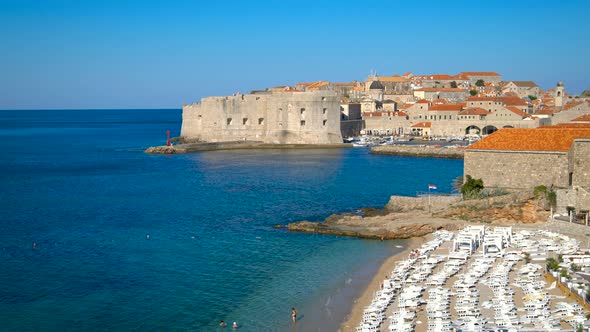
(428, 198)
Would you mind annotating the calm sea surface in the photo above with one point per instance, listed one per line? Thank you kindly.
(76, 183)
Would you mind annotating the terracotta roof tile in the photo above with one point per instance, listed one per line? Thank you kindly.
(538, 139)
(570, 125)
(518, 111)
(422, 125)
(317, 85)
(392, 79)
(438, 77)
(441, 90)
(446, 107)
(474, 111)
(422, 101)
(584, 118)
(479, 73)
(547, 110)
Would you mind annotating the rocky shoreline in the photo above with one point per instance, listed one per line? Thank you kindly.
(410, 217)
(429, 151)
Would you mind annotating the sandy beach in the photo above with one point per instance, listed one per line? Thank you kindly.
(354, 317)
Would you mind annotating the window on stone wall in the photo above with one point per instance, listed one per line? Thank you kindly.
(324, 123)
(323, 98)
(570, 178)
(302, 123)
(324, 111)
(229, 121)
(245, 121)
(302, 111)
(257, 98)
(260, 121)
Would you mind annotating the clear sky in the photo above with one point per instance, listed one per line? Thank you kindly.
(160, 54)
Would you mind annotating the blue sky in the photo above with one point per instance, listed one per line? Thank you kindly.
(160, 54)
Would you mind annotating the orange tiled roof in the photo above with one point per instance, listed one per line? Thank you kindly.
(548, 110)
(442, 89)
(392, 79)
(518, 111)
(479, 73)
(358, 88)
(571, 125)
(438, 77)
(317, 85)
(474, 111)
(538, 139)
(407, 74)
(345, 84)
(584, 118)
(422, 101)
(446, 107)
(422, 125)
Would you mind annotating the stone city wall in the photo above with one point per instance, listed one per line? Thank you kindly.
(580, 162)
(275, 118)
(517, 170)
(576, 197)
(448, 127)
(351, 128)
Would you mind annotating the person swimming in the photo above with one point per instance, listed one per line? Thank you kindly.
(234, 326)
(293, 314)
(222, 324)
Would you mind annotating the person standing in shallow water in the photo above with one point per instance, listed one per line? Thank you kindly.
(293, 314)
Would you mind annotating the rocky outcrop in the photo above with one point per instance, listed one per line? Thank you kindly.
(385, 231)
(407, 217)
(431, 151)
(518, 207)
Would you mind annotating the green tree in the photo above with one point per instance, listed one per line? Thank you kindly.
(563, 273)
(472, 187)
(454, 84)
(473, 92)
(531, 97)
(553, 264)
(479, 83)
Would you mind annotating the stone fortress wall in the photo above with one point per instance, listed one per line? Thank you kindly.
(517, 170)
(284, 117)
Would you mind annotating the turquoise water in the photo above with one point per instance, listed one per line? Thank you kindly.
(76, 183)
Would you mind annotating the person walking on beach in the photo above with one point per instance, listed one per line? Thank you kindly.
(293, 314)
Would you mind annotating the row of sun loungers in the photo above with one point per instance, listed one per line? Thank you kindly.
(478, 257)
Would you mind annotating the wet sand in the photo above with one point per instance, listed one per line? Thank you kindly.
(354, 317)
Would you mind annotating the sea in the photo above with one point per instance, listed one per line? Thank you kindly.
(96, 235)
